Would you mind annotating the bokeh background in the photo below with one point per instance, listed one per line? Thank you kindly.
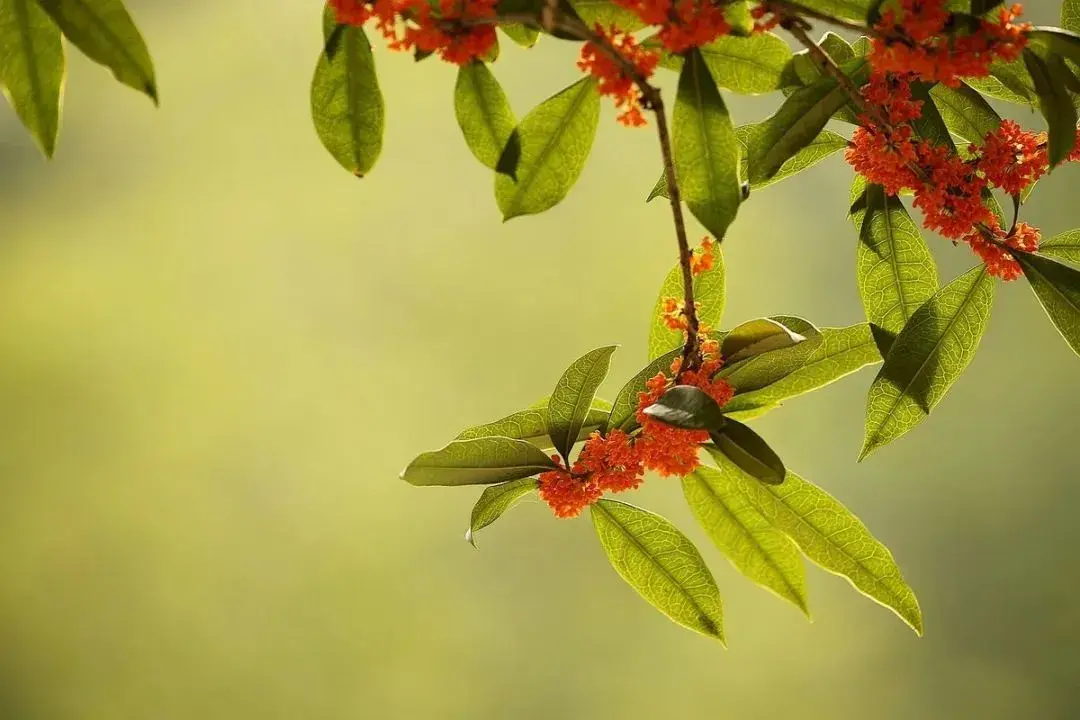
(217, 351)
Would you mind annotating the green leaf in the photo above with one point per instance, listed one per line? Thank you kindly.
(767, 368)
(965, 112)
(1057, 287)
(553, 141)
(757, 549)
(844, 9)
(1054, 102)
(687, 407)
(531, 425)
(523, 35)
(842, 351)
(929, 354)
(748, 451)
(105, 33)
(1057, 42)
(755, 337)
(832, 538)
(32, 69)
(483, 112)
(1070, 15)
(569, 405)
(607, 14)
(1065, 246)
(895, 270)
(930, 125)
(346, 103)
(496, 500)
(806, 67)
(798, 122)
(747, 65)
(707, 153)
(481, 461)
(661, 564)
(624, 408)
(708, 292)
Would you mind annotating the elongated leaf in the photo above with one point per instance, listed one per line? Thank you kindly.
(799, 120)
(661, 564)
(1057, 287)
(930, 125)
(624, 408)
(966, 113)
(607, 14)
(483, 112)
(757, 549)
(1011, 89)
(32, 69)
(105, 33)
(482, 461)
(346, 103)
(748, 451)
(845, 9)
(553, 142)
(569, 405)
(806, 67)
(746, 65)
(842, 351)
(707, 153)
(895, 270)
(756, 337)
(523, 35)
(1054, 102)
(531, 425)
(496, 500)
(767, 368)
(1065, 246)
(929, 354)
(833, 538)
(1070, 15)
(708, 293)
(687, 407)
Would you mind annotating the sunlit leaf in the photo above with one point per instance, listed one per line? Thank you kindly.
(1054, 102)
(569, 404)
(661, 564)
(1065, 246)
(624, 408)
(747, 65)
(687, 407)
(32, 69)
(767, 368)
(483, 112)
(607, 14)
(531, 425)
(929, 354)
(523, 35)
(966, 113)
(481, 461)
(1070, 15)
(553, 142)
(748, 451)
(757, 549)
(496, 500)
(856, 10)
(755, 337)
(708, 292)
(1057, 287)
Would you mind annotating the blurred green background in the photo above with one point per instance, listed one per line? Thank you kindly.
(219, 350)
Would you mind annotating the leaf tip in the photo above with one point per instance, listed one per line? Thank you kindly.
(470, 538)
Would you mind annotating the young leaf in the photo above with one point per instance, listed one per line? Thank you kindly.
(708, 292)
(1057, 287)
(707, 153)
(32, 69)
(494, 501)
(346, 103)
(842, 351)
(569, 405)
(756, 337)
(483, 112)
(687, 407)
(965, 112)
(105, 33)
(832, 538)
(929, 354)
(767, 368)
(799, 120)
(482, 461)
(624, 409)
(1065, 246)
(1054, 102)
(523, 35)
(746, 65)
(553, 142)
(531, 425)
(661, 564)
(895, 270)
(748, 451)
(757, 549)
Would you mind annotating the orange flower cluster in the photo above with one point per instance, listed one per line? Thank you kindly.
(683, 24)
(927, 41)
(617, 462)
(704, 258)
(611, 75)
(765, 18)
(446, 27)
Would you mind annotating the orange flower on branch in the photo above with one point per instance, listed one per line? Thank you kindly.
(1012, 159)
(683, 24)
(995, 254)
(612, 78)
(704, 258)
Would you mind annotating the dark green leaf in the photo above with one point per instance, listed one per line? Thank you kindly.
(569, 404)
(687, 407)
(531, 425)
(833, 538)
(105, 33)
(483, 113)
(624, 408)
(746, 65)
(1054, 102)
(1065, 246)
(523, 35)
(496, 500)
(346, 103)
(748, 451)
(553, 143)
(707, 153)
(767, 368)
(708, 292)
(481, 461)
(755, 337)
(32, 69)
(661, 564)
(757, 549)
(965, 112)
(1057, 287)
(930, 125)
(929, 354)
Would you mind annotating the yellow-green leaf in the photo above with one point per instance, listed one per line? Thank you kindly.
(1057, 287)
(624, 408)
(747, 65)
(483, 112)
(708, 292)
(481, 461)
(496, 500)
(1065, 246)
(569, 404)
(32, 69)
(531, 425)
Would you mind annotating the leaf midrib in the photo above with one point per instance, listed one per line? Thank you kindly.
(22, 18)
(115, 41)
(781, 141)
